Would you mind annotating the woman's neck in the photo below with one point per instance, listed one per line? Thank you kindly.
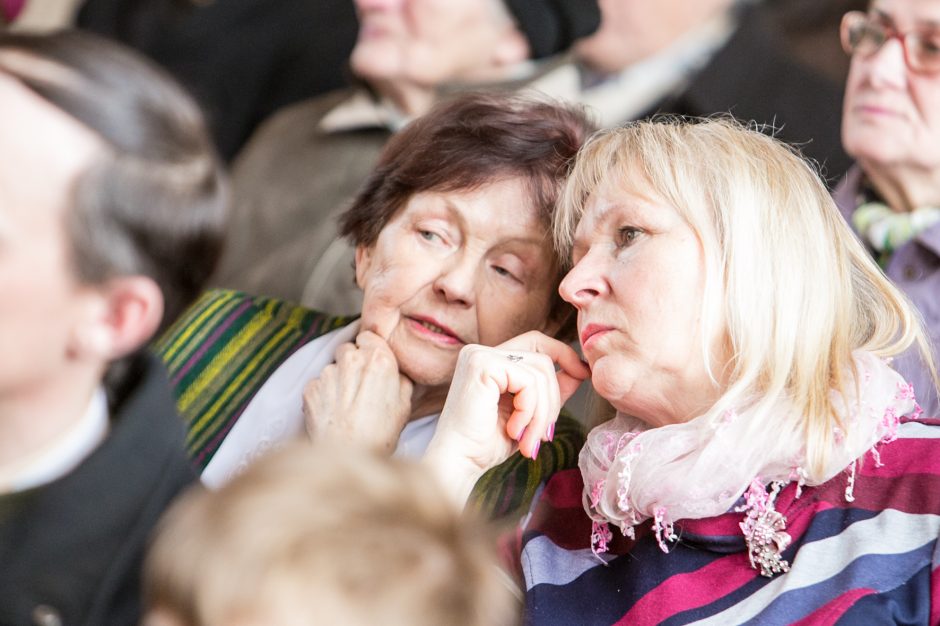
(905, 189)
(34, 418)
(411, 100)
(427, 400)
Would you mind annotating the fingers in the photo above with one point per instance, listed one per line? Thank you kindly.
(572, 370)
(343, 351)
(405, 387)
(561, 354)
(368, 339)
(369, 355)
(530, 378)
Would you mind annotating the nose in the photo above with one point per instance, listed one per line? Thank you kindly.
(887, 67)
(457, 280)
(584, 282)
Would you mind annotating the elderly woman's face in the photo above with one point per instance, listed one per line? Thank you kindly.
(891, 115)
(456, 268)
(638, 283)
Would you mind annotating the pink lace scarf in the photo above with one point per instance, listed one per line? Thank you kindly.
(699, 469)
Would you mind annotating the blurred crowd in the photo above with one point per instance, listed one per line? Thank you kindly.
(299, 297)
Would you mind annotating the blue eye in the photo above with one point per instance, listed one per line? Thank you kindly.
(428, 235)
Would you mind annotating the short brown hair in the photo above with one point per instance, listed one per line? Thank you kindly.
(467, 142)
(155, 204)
(339, 536)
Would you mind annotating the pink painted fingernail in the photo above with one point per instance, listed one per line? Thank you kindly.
(535, 450)
(522, 434)
(551, 431)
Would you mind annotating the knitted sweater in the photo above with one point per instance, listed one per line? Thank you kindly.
(873, 560)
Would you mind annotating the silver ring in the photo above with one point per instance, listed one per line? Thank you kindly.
(515, 358)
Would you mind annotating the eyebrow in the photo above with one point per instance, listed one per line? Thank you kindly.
(888, 19)
(454, 212)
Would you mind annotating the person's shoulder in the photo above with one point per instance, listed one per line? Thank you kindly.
(224, 328)
(304, 115)
(908, 467)
(289, 124)
(916, 435)
(222, 351)
(559, 513)
(226, 310)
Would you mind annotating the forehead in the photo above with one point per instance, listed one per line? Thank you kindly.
(613, 202)
(910, 12)
(500, 209)
(49, 148)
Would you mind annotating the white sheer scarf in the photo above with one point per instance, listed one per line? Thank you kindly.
(700, 468)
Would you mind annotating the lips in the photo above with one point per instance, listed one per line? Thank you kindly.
(371, 29)
(429, 326)
(593, 332)
(876, 109)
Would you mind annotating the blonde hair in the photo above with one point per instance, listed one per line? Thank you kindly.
(332, 536)
(798, 292)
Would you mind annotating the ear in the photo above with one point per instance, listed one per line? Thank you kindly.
(122, 315)
(512, 48)
(363, 264)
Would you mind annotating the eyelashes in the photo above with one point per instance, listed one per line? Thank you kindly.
(627, 236)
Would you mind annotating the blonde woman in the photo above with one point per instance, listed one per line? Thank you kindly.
(765, 462)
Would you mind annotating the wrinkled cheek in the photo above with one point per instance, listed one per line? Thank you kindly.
(380, 312)
(504, 320)
(494, 329)
(380, 318)
(931, 144)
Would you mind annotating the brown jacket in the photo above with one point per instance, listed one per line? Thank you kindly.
(296, 174)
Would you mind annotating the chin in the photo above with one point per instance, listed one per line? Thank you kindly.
(371, 64)
(428, 373)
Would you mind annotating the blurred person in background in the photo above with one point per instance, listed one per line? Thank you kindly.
(811, 29)
(112, 209)
(302, 167)
(326, 535)
(891, 127)
(698, 59)
(243, 60)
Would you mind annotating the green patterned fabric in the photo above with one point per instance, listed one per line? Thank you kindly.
(507, 489)
(223, 349)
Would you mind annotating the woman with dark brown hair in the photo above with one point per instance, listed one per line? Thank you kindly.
(452, 248)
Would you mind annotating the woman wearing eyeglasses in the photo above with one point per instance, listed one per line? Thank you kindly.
(891, 127)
